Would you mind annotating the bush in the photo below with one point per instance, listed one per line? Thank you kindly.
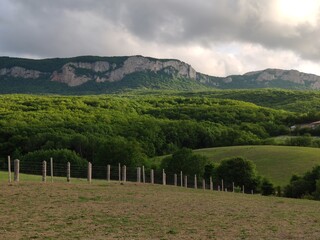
(186, 161)
(240, 171)
(266, 187)
(60, 156)
(306, 186)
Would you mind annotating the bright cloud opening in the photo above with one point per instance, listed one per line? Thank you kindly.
(298, 11)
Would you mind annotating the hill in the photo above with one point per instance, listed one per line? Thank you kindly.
(97, 75)
(142, 211)
(277, 163)
(290, 100)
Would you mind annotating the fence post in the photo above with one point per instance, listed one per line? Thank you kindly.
(16, 170)
(222, 187)
(181, 182)
(9, 169)
(89, 175)
(252, 191)
(203, 184)
(44, 171)
(108, 173)
(138, 174)
(51, 169)
(119, 171)
(186, 181)
(163, 177)
(232, 186)
(69, 172)
(211, 184)
(219, 188)
(175, 179)
(242, 188)
(195, 182)
(152, 176)
(124, 173)
(143, 175)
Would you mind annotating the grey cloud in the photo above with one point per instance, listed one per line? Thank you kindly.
(64, 27)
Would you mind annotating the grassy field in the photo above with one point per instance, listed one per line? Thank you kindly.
(277, 163)
(101, 210)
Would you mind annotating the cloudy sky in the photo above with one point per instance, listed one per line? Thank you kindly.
(217, 37)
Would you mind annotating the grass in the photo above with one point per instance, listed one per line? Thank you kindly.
(36, 178)
(277, 163)
(34, 210)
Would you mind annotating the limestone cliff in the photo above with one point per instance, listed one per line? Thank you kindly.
(19, 72)
(137, 72)
(106, 72)
(292, 76)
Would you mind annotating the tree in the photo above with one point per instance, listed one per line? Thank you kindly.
(307, 185)
(32, 162)
(120, 150)
(186, 161)
(240, 171)
(209, 171)
(266, 187)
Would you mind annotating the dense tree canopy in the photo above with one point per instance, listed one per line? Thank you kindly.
(239, 171)
(132, 128)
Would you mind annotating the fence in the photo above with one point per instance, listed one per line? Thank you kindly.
(47, 170)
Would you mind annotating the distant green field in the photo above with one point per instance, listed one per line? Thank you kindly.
(277, 163)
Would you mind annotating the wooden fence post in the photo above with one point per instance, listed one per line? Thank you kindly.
(222, 187)
(232, 186)
(108, 172)
(9, 169)
(242, 188)
(16, 170)
(186, 181)
(211, 184)
(124, 173)
(89, 175)
(252, 191)
(138, 174)
(175, 179)
(195, 182)
(181, 181)
(203, 184)
(119, 171)
(44, 171)
(69, 172)
(143, 175)
(219, 188)
(51, 169)
(152, 176)
(164, 182)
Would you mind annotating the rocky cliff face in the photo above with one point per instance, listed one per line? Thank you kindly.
(79, 70)
(19, 72)
(292, 76)
(77, 73)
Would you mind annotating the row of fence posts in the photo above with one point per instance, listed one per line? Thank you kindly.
(122, 172)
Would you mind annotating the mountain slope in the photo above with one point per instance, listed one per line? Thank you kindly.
(92, 75)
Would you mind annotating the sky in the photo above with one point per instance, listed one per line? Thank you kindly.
(217, 37)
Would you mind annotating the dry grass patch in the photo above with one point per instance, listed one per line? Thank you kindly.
(136, 211)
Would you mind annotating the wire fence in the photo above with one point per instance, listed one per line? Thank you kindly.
(50, 171)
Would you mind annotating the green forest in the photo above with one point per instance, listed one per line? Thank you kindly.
(134, 127)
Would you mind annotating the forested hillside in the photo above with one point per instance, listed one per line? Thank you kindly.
(132, 128)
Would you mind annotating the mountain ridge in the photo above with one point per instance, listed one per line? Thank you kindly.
(86, 74)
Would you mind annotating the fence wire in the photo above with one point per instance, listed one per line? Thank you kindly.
(112, 173)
